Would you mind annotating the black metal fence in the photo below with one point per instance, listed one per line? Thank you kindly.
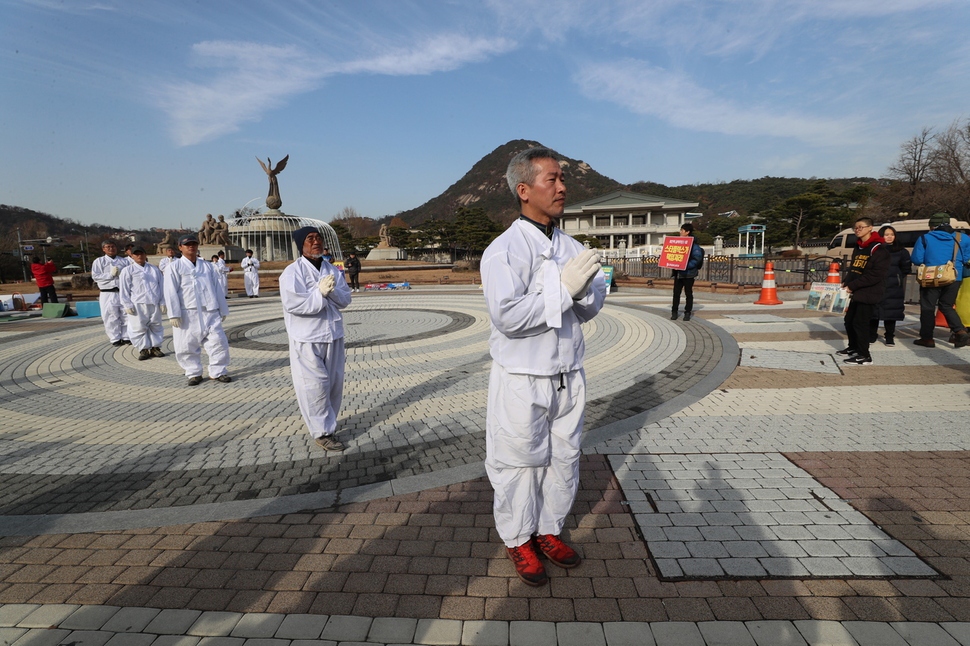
(738, 271)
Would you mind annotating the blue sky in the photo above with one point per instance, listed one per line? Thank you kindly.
(152, 113)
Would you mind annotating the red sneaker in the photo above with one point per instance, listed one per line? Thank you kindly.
(557, 551)
(527, 564)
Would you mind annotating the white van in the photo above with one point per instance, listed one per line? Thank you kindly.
(907, 232)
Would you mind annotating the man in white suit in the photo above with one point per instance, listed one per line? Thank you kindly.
(197, 307)
(313, 292)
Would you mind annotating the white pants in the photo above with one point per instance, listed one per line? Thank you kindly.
(198, 332)
(532, 440)
(145, 326)
(224, 281)
(318, 379)
(251, 278)
(113, 315)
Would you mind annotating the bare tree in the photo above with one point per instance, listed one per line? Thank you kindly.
(357, 225)
(915, 158)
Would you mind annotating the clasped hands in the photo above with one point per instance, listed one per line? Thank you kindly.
(578, 273)
(326, 285)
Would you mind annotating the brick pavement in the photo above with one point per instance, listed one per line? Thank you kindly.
(431, 555)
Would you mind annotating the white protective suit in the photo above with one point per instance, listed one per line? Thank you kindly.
(194, 295)
(142, 291)
(223, 270)
(112, 312)
(250, 267)
(537, 387)
(316, 330)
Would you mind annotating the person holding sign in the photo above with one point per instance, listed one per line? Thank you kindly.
(684, 278)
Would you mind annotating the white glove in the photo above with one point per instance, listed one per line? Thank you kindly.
(326, 285)
(176, 322)
(578, 273)
(115, 271)
(164, 309)
(131, 311)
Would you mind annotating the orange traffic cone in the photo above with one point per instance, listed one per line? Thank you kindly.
(835, 274)
(769, 295)
(940, 319)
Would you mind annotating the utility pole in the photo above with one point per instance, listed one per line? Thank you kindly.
(20, 255)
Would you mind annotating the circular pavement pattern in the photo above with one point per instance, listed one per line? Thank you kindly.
(85, 426)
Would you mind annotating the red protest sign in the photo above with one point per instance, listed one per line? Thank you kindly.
(676, 252)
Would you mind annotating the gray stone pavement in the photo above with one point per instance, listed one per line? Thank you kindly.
(91, 439)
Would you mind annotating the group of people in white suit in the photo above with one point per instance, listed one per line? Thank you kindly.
(540, 286)
(136, 295)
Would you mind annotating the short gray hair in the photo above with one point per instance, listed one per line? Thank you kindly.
(522, 170)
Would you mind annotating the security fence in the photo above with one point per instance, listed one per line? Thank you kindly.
(733, 270)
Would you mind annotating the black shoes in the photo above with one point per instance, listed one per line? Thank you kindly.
(686, 316)
(157, 352)
(144, 354)
(848, 352)
(223, 379)
(673, 317)
(962, 339)
(890, 342)
(859, 360)
(118, 343)
(195, 381)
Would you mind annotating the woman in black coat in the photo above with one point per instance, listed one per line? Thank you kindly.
(893, 307)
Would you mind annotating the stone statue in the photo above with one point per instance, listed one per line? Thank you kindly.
(385, 237)
(168, 242)
(208, 229)
(273, 200)
(220, 232)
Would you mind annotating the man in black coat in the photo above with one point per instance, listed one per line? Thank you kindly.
(352, 266)
(866, 284)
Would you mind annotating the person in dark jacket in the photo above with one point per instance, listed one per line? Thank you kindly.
(893, 305)
(352, 265)
(866, 284)
(934, 248)
(684, 278)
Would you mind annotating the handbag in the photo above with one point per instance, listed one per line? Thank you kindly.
(939, 275)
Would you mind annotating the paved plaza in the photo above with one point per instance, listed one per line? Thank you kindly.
(738, 486)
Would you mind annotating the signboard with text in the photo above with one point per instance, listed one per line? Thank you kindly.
(676, 252)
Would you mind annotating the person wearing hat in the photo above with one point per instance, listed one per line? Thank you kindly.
(938, 246)
(141, 295)
(197, 307)
(353, 271)
(313, 292)
(250, 267)
(105, 271)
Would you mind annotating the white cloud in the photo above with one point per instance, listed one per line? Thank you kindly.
(441, 53)
(258, 78)
(253, 78)
(676, 99)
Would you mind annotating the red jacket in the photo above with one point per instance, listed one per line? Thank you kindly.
(43, 274)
